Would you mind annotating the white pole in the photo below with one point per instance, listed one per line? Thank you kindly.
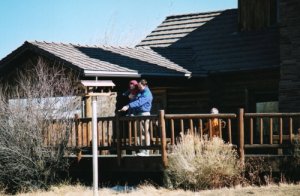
(95, 149)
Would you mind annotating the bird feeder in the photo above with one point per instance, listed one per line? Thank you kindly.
(94, 88)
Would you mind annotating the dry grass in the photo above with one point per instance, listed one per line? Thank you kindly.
(203, 164)
(282, 189)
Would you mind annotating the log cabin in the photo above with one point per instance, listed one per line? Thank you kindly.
(245, 57)
(237, 58)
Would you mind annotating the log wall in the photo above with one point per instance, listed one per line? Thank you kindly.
(289, 88)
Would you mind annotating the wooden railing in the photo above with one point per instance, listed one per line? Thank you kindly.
(270, 130)
(121, 135)
(105, 130)
(194, 123)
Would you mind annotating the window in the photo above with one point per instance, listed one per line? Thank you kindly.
(52, 107)
(267, 107)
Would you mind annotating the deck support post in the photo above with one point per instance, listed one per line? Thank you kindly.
(162, 126)
(241, 134)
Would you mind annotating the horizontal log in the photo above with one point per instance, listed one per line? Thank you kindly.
(252, 146)
(272, 115)
(284, 137)
(98, 119)
(187, 116)
(132, 118)
(152, 147)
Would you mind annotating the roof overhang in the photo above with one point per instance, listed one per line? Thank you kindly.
(97, 83)
(111, 74)
(95, 73)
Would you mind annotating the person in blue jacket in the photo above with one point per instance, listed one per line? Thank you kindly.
(142, 106)
(142, 103)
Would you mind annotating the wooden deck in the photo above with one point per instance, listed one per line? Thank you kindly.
(269, 134)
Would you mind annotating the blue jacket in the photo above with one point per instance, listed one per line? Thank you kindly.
(143, 101)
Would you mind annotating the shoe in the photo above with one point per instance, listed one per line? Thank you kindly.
(142, 154)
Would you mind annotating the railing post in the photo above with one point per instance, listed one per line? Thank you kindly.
(241, 134)
(162, 126)
(117, 127)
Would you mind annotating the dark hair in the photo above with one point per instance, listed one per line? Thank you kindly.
(143, 82)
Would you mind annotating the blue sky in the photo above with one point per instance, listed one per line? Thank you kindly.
(91, 22)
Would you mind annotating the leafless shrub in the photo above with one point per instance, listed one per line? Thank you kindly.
(31, 111)
(292, 167)
(203, 164)
(257, 172)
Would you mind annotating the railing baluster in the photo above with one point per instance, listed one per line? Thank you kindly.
(151, 131)
(80, 133)
(99, 133)
(172, 132)
(76, 130)
(123, 133)
(89, 133)
(157, 134)
(210, 128)
(146, 131)
(130, 132)
(108, 133)
(118, 133)
(103, 133)
(181, 126)
(251, 130)
(140, 132)
(280, 130)
(135, 133)
(84, 135)
(201, 128)
(291, 130)
(261, 130)
(71, 133)
(220, 127)
(191, 126)
(229, 130)
(271, 130)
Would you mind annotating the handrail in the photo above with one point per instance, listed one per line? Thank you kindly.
(98, 118)
(130, 118)
(186, 116)
(272, 114)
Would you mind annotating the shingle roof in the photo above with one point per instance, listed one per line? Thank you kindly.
(175, 27)
(196, 44)
(142, 61)
(217, 43)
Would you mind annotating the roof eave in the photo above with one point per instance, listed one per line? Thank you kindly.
(96, 73)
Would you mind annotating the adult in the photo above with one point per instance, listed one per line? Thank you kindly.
(142, 106)
(131, 93)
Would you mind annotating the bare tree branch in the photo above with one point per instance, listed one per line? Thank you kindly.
(41, 103)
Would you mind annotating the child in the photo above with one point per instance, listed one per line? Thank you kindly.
(214, 124)
(131, 93)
